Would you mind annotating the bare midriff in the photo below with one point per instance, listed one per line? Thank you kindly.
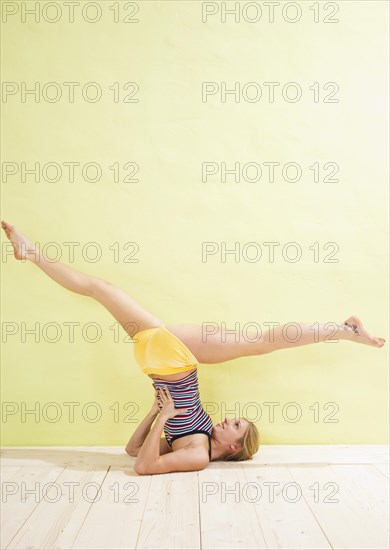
(172, 377)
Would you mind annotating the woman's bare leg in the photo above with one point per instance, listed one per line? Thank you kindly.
(292, 335)
(130, 314)
(211, 344)
(208, 346)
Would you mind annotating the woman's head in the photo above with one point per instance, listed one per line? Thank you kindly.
(235, 439)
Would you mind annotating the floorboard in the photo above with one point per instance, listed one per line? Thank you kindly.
(287, 497)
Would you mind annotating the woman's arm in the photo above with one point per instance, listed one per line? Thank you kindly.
(149, 453)
(137, 439)
(149, 460)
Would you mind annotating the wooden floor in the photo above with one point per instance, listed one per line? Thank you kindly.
(304, 496)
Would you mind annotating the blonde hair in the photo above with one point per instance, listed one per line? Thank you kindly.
(249, 442)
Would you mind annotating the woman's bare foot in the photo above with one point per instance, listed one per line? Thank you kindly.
(360, 333)
(22, 246)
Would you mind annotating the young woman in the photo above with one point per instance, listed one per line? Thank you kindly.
(170, 355)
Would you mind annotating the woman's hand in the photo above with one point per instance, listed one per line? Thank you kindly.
(167, 404)
(156, 407)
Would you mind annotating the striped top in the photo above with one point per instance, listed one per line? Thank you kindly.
(185, 395)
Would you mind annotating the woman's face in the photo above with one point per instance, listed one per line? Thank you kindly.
(230, 430)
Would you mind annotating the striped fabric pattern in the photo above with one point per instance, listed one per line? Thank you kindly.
(185, 394)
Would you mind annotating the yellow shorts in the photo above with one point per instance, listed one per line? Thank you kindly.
(158, 351)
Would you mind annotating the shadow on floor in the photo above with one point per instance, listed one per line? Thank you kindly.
(74, 459)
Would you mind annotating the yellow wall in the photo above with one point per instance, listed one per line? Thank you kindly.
(170, 212)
